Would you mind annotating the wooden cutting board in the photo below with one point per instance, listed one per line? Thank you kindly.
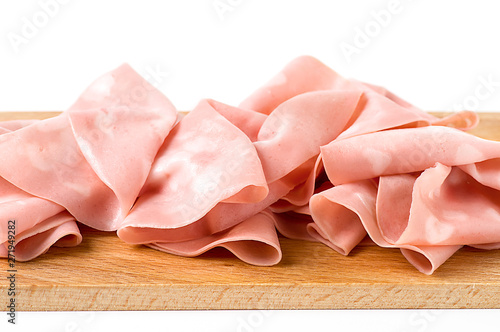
(104, 273)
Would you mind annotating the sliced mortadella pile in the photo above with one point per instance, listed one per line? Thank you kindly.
(311, 153)
(94, 158)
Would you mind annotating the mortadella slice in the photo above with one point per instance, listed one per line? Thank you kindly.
(59, 230)
(450, 207)
(254, 241)
(205, 161)
(119, 124)
(410, 150)
(38, 223)
(110, 140)
(344, 214)
(437, 190)
(384, 110)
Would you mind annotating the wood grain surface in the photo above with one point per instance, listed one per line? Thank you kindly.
(104, 273)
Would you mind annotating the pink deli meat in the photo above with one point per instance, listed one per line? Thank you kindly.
(90, 161)
(310, 154)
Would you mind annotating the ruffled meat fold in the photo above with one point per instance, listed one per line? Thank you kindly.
(310, 154)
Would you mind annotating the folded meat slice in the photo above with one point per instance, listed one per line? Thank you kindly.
(397, 198)
(203, 162)
(12, 125)
(294, 131)
(463, 120)
(247, 121)
(300, 194)
(383, 109)
(59, 230)
(449, 207)
(339, 214)
(289, 139)
(344, 214)
(119, 124)
(45, 168)
(94, 158)
(38, 223)
(25, 209)
(437, 190)
(410, 150)
(254, 241)
(302, 75)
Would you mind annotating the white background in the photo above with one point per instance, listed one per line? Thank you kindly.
(438, 55)
(431, 53)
